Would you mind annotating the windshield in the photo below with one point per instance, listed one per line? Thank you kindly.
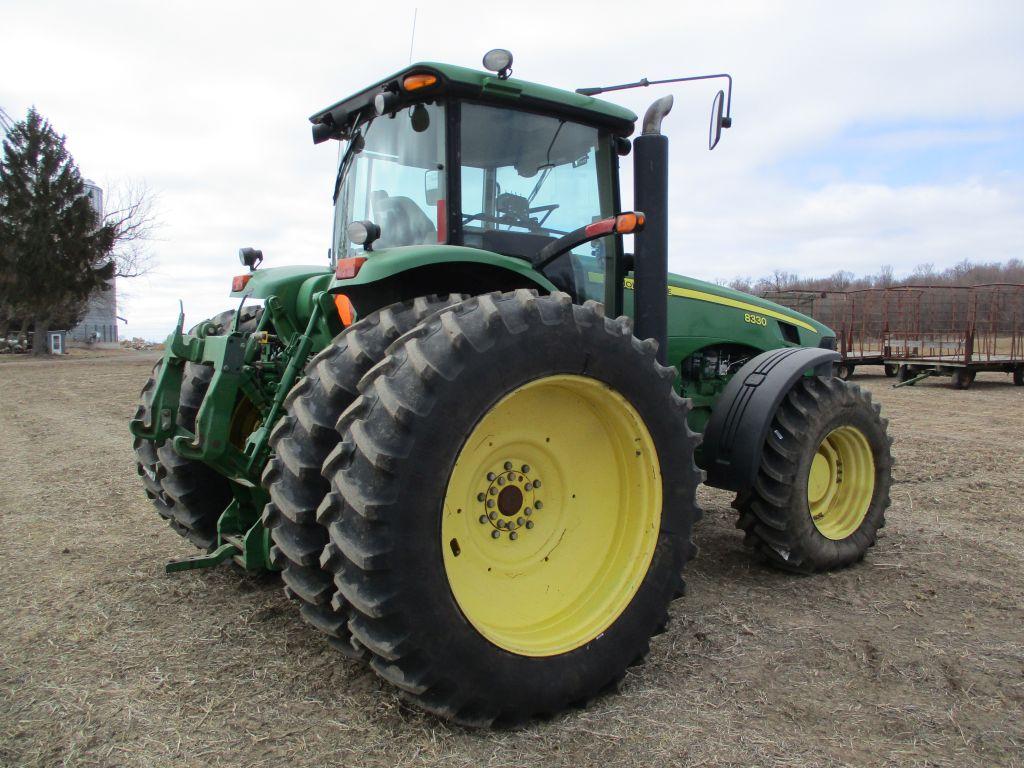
(395, 180)
(528, 179)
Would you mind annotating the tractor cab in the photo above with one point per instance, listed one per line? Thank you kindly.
(438, 155)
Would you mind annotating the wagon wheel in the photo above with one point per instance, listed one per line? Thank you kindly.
(963, 378)
(891, 369)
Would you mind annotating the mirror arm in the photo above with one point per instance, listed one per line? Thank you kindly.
(726, 123)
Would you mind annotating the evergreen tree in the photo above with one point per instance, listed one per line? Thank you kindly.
(54, 248)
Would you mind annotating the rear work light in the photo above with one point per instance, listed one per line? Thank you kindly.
(238, 283)
(349, 268)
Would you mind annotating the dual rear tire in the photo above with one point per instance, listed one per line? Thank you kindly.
(188, 494)
(510, 507)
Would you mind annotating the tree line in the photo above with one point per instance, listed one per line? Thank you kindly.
(966, 273)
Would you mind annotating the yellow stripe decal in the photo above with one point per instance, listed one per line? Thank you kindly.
(687, 293)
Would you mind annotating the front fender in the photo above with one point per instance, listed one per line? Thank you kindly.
(742, 415)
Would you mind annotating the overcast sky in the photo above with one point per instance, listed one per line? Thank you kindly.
(864, 133)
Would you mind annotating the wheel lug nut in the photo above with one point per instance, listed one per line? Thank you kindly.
(539, 504)
(483, 519)
(490, 475)
(511, 476)
(479, 497)
(493, 491)
(490, 502)
(495, 535)
(536, 483)
(526, 468)
(492, 516)
(513, 536)
(520, 521)
(529, 524)
(527, 511)
(508, 465)
(501, 523)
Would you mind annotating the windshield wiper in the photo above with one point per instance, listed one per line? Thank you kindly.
(355, 146)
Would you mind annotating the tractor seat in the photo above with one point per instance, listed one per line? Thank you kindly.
(401, 221)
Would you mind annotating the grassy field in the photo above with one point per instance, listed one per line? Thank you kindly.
(913, 658)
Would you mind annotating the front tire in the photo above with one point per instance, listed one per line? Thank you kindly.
(822, 489)
(576, 429)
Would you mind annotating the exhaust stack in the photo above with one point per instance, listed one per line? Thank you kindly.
(650, 271)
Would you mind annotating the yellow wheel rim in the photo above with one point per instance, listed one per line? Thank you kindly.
(841, 483)
(245, 420)
(551, 515)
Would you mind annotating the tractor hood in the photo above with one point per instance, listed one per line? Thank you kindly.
(718, 294)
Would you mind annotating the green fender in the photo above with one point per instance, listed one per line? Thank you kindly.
(393, 274)
(293, 291)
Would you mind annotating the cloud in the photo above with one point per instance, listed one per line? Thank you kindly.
(207, 104)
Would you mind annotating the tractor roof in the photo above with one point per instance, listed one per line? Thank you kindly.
(484, 86)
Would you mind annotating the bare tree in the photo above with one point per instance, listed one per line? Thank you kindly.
(128, 210)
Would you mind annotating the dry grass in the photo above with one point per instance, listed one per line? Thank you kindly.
(913, 658)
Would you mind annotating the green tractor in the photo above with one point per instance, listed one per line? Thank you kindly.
(472, 443)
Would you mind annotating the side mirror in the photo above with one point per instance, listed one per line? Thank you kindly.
(718, 120)
(432, 187)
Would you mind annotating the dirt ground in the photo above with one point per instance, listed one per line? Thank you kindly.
(913, 658)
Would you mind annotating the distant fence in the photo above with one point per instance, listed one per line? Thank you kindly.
(931, 323)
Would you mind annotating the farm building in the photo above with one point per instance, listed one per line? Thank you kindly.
(99, 323)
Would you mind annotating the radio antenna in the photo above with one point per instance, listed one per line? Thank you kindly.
(412, 37)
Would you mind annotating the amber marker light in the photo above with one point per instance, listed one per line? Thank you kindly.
(627, 223)
(346, 312)
(416, 82)
(238, 283)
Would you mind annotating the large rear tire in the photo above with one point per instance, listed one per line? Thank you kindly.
(511, 507)
(822, 489)
(186, 493)
(301, 441)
